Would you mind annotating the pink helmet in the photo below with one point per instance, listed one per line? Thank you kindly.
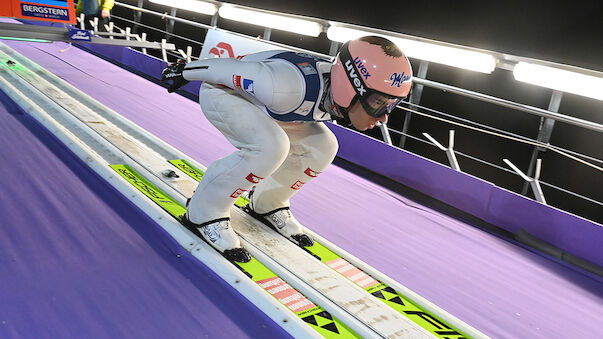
(373, 70)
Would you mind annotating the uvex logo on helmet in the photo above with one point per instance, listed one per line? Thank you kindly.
(361, 68)
(353, 75)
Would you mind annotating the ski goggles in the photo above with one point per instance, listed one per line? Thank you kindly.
(377, 104)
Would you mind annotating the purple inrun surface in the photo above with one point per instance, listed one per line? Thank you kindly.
(77, 259)
(482, 199)
(493, 285)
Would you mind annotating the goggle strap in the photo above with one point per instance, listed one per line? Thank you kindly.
(356, 81)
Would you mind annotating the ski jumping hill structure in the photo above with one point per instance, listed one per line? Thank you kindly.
(85, 254)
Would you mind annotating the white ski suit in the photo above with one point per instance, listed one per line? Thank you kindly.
(269, 105)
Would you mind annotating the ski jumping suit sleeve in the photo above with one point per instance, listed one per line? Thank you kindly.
(263, 106)
(274, 84)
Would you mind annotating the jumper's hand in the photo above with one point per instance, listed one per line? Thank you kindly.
(173, 72)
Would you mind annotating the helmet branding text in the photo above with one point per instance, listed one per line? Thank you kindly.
(399, 79)
(352, 74)
(361, 68)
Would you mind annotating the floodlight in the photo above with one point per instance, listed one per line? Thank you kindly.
(285, 23)
(559, 79)
(451, 56)
(190, 5)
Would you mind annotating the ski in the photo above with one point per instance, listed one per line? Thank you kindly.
(377, 289)
(312, 314)
(385, 293)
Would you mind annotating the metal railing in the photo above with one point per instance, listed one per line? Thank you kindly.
(548, 116)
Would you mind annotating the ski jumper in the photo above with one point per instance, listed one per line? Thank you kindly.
(270, 106)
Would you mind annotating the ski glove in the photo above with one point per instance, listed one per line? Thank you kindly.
(173, 72)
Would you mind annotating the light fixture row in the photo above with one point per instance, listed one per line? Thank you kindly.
(545, 76)
(452, 56)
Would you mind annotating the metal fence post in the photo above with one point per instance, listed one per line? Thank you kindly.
(544, 133)
(143, 37)
(137, 16)
(449, 150)
(385, 133)
(415, 98)
(214, 20)
(169, 25)
(533, 182)
(334, 48)
(81, 20)
(267, 33)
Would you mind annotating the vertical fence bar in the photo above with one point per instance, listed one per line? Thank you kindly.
(415, 98)
(267, 33)
(544, 134)
(143, 37)
(334, 48)
(137, 15)
(214, 20)
(169, 24)
(385, 133)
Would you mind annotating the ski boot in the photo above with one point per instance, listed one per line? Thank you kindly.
(220, 236)
(282, 221)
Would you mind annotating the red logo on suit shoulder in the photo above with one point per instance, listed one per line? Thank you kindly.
(253, 178)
